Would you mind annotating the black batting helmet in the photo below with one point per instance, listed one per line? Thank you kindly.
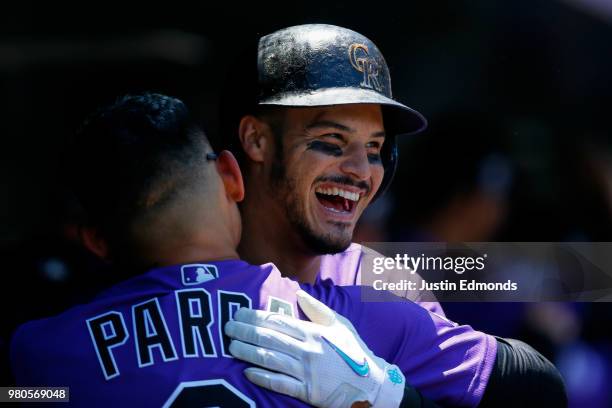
(320, 65)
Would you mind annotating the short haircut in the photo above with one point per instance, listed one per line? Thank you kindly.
(132, 157)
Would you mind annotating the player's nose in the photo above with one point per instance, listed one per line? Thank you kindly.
(356, 163)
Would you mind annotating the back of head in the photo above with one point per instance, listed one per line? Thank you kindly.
(132, 159)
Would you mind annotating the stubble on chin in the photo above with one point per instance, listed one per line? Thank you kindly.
(285, 189)
(319, 243)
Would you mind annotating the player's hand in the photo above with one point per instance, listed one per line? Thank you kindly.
(323, 362)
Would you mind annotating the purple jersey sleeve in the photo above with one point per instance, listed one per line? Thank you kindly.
(344, 269)
(448, 363)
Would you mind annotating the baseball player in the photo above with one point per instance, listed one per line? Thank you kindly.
(316, 125)
(310, 114)
(163, 209)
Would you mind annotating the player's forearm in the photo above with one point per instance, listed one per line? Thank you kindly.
(523, 377)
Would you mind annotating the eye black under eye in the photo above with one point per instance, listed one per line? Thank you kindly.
(374, 158)
(325, 148)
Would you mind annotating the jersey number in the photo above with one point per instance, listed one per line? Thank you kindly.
(208, 393)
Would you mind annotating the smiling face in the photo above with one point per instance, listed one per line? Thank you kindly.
(327, 171)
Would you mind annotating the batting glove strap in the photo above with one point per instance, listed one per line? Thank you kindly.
(391, 392)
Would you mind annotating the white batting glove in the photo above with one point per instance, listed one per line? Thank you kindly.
(323, 362)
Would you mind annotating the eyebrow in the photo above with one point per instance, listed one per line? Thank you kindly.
(327, 124)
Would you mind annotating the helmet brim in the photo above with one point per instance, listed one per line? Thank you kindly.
(399, 118)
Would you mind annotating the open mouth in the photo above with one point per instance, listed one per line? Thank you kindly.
(337, 200)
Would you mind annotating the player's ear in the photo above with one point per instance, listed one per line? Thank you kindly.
(93, 241)
(230, 173)
(252, 133)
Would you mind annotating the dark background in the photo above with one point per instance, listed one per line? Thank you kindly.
(518, 95)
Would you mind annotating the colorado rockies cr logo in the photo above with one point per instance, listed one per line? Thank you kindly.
(361, 61)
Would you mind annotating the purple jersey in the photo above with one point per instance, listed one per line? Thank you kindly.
(157, 339)
(344, 269)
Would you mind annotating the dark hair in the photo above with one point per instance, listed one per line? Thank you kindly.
(132, 156)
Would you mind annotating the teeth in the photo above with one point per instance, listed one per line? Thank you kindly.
(334, 210)
(338, 192)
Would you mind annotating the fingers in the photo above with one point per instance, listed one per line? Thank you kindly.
(316, 311)
(264, 337)
(270, 359)
(285, 324)
(277, 382)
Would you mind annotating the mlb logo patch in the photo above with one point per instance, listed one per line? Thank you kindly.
(195, 274)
